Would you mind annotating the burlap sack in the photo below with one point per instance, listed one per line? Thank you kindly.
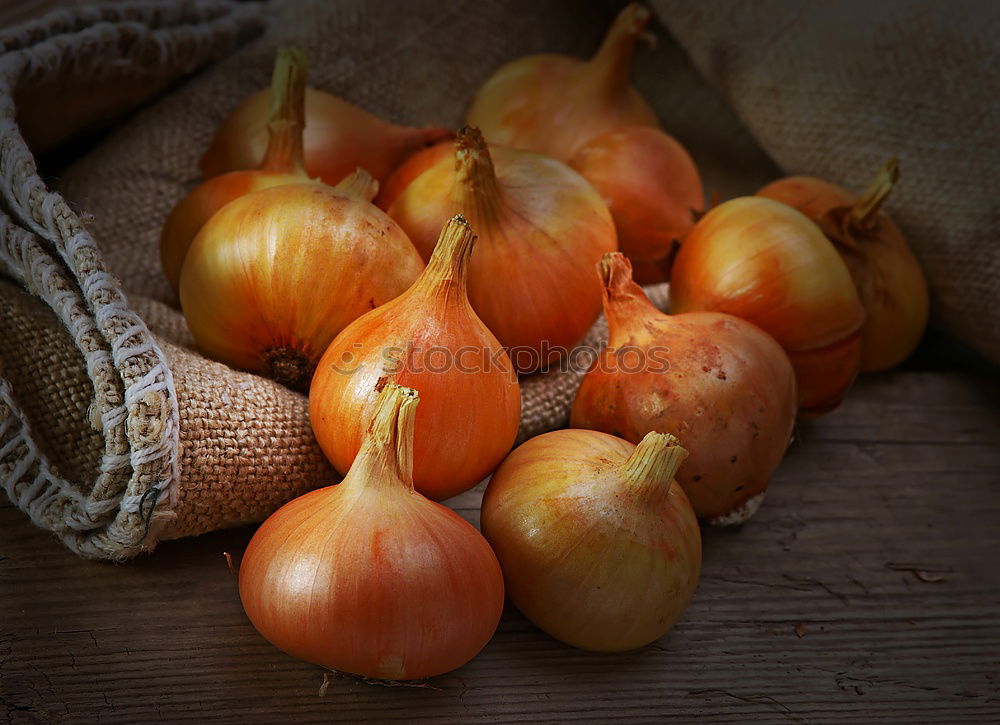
(833, 89)
(90, 402)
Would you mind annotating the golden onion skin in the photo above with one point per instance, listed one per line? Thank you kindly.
(274, 276)
(429, 339)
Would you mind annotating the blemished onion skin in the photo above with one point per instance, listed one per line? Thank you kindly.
(541, 228)
(553, 104)
(368, 576)
(767, 263)
(404, 174)
(598, 548)
(649, 183)
(339, 137)
(889, 279)
(282, 165)
(718, 382)
(273, 276)
(430, 339)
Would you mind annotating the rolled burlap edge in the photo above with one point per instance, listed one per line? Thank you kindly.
(48, 252)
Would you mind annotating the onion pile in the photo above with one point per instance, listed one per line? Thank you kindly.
(776, 303)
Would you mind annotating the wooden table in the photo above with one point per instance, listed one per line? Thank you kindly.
(867, 589)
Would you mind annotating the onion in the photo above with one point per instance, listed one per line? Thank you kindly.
(767, 263)
(888, 277)
(542, 228)
(369, 577)
(650, 184)
(598, 548)
(414, 166)
(273, 277)
(718, 382)
(282, 165)
(553, 104)
(430, 339)
(339, 137)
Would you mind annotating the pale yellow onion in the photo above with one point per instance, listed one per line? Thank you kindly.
(599, 547)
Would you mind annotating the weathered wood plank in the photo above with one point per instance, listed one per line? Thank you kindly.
(902, 483)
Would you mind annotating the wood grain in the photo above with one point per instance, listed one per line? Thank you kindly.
(13, 12)
(866, 589)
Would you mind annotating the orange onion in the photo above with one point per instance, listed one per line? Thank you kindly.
(888, 277)
(282, 165)
(430, 339)
(541, 227)
(597, 546)
(410, 169)
(721, 384)
(649, 183)
(274, 275)
(553, 104)
(368, 576)
(769, 264)
(339, 137)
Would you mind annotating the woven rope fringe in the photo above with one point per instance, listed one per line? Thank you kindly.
(23, 257)
(45, 248)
